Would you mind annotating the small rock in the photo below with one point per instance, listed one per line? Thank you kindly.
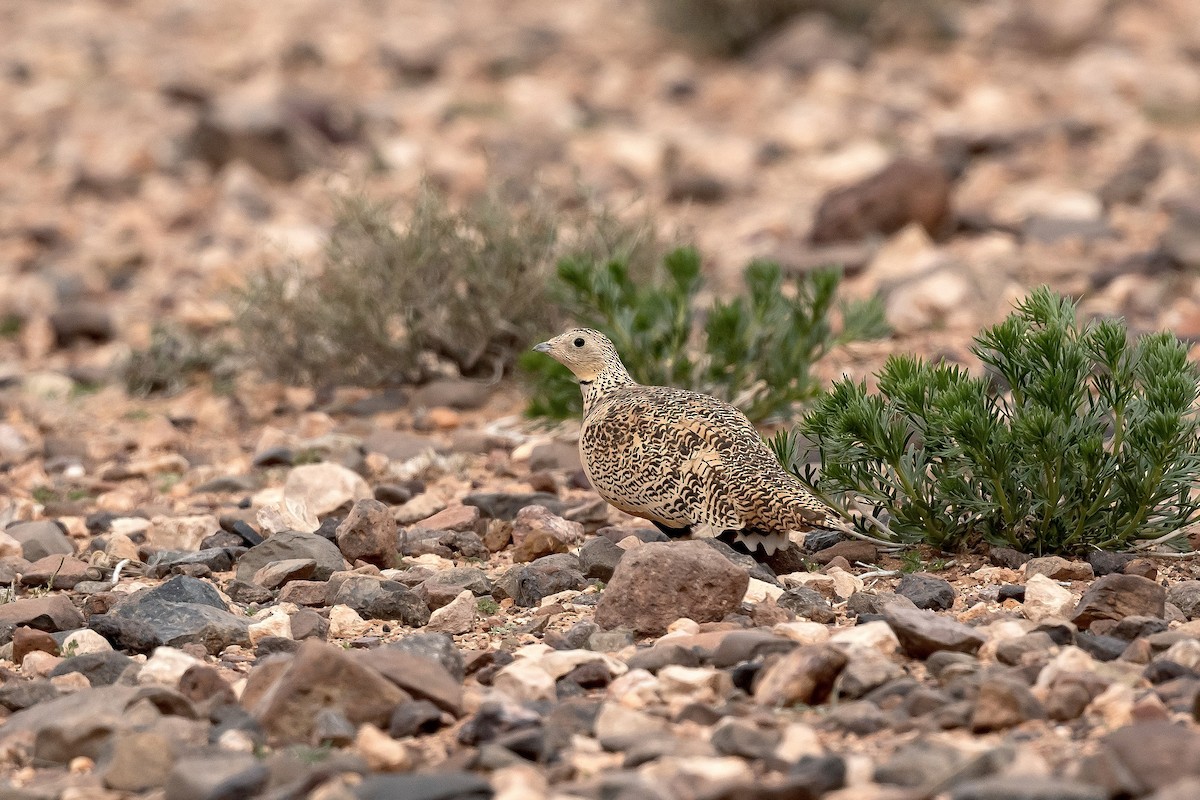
(180, 533)
(1026, 787)
(441, 588)
(325, 487)
(369, 534)
(216, 775)
(658, 583)
(903, 192)
(140, 760)
(851, 549)
(1117, 596)
(454, 518)
(1044, 598)
(321, 676)
(804, 676)
(808, 604)
(414, 718)
(437, 786)
(922, 633)
(456, 618)
(927, 591)
(49, 613)
(1003, 703)
(1138, 759)
(1007, 557)
(505, 505)
(381, 599)
(536, 532)
(1059, 569)
(277, 573)
(40, 539)
(598, 558)
(527, 584)
(400, 446)
(287, 545)
(28, 640)
(1185, 596)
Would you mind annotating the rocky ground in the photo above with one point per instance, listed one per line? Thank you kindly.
(245, 589)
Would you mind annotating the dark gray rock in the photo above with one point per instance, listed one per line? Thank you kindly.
(434, 786)
(414, 718)
(1104, 563)
(292, 544)
(922, 633)
(182, 589)
(808, 604)
(528, 583)
(505, 505)
(217, 559)
(927, 591)
(738, 737)
(1185, 596)
(101, 669)
(442, 587)
(17, 694)
(381, 599)
(182, 611)
(598, 558)
(1027, 787)
(216, 775)
(874, 603)
(436, 646)
(41, 538)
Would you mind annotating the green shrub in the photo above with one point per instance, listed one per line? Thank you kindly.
(755, 351)
(1091, 440)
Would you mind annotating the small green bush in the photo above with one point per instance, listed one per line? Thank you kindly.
(1088, 440)
(755, 351)
(173, 358)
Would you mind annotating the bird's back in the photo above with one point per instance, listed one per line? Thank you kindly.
(683, 458)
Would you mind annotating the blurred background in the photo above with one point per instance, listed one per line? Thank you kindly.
(157, 159)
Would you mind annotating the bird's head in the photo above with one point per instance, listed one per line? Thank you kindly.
(587, 353)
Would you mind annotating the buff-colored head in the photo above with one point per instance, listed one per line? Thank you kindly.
(585, 352)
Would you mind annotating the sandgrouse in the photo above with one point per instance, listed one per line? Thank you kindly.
(679, 459)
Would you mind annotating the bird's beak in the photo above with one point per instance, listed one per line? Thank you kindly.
(544, 347)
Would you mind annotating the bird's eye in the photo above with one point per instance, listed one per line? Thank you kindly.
(579, 342)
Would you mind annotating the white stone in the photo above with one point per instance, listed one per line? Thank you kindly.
(165, 667)
(798, 740)
(181, 533)
(324, 487)
(1185, 652)
(84, 641)
(877, 635)
(637, 688)
(618, 727)
(518, 782)
(758, 591)
(456, 617)
(71, 682)
(523, 680)
(274, 623)
(380, 751)
(844, 583)
(695, 684)
(345, 623)
(803, 631)
(1114, 705)
(1045, 598)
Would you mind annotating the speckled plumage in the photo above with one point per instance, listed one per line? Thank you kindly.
(679, 458)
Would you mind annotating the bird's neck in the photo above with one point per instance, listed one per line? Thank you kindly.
(604, 384)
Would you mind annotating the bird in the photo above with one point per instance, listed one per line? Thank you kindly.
(677, 458)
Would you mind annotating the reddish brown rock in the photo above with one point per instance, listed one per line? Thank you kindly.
(852, 550)
(369, 534)
(26, 640)
(1117, 596)
(536, 532)
(320, 676)
(658, 583)
(803, 676)
(903, 192)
